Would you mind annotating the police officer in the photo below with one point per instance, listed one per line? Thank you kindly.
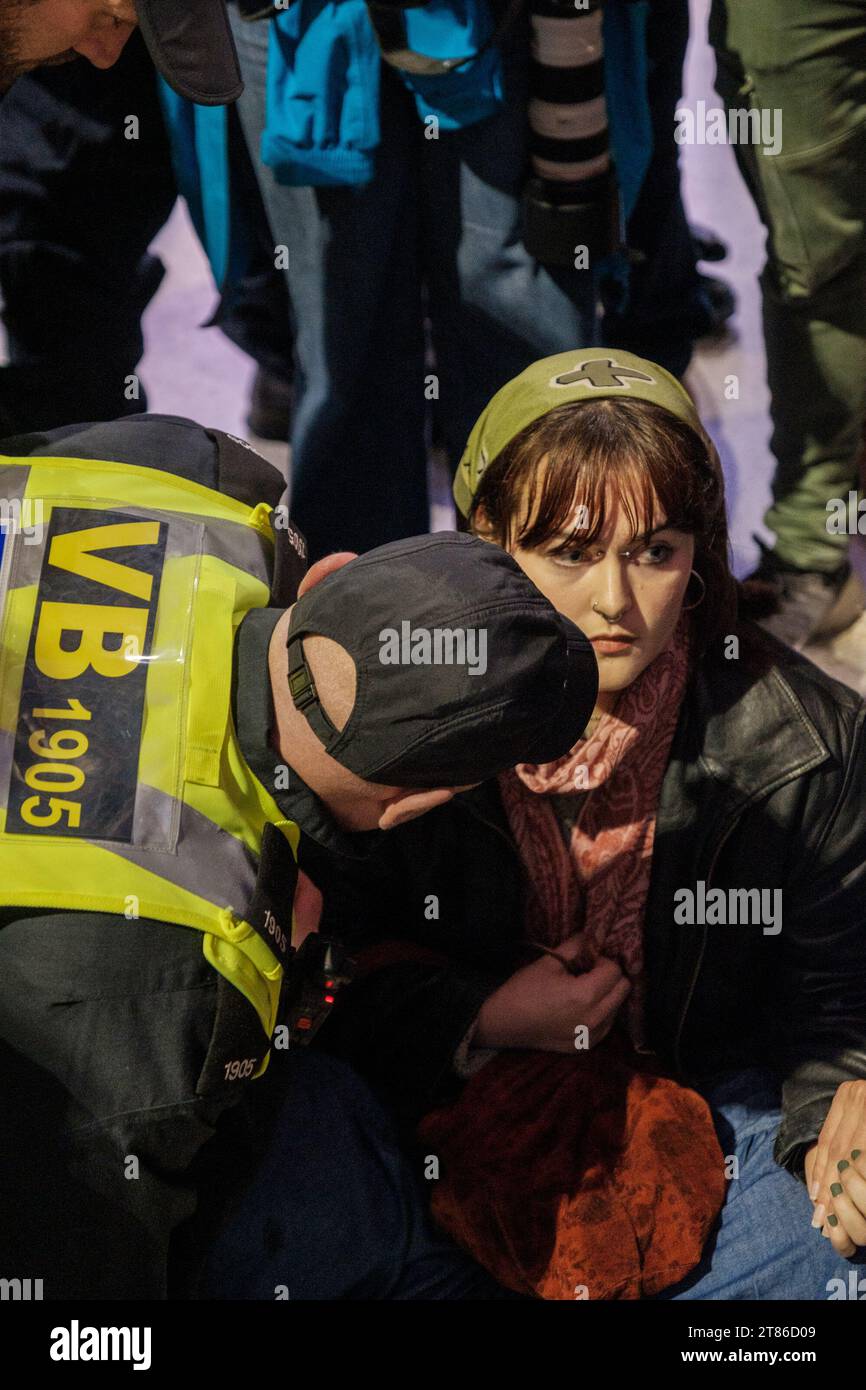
(172, 725)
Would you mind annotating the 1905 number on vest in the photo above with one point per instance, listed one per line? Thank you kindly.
(80, 714)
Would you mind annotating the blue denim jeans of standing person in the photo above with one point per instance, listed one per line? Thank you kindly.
(331, 1208)
(435, 232)
(763, 1247)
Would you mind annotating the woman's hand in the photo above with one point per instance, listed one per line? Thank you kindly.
(542, 1005)
(836, 1170)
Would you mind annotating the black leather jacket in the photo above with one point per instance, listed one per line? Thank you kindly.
(765, 788)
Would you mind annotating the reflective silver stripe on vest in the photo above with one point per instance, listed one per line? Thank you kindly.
(242, 547)
(232, 542)
(13, 483)
(7, 751)
(209, 861)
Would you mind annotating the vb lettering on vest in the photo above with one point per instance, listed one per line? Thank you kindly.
(121, 778)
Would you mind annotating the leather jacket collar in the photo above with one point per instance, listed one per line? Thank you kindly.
(741, 726)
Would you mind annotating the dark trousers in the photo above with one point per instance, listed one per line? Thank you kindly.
(80, 204)
(801, 64)
(663, 313)
(83, 191)
(119, 1181)
(104, 1026)
(330, 1207)
(435, 234)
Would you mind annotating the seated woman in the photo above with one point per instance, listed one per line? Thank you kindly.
(684, 893)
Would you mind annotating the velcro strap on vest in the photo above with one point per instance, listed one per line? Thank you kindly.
(210, 683)
(238, 1047)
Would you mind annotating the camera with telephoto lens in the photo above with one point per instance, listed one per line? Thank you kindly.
(562, 216)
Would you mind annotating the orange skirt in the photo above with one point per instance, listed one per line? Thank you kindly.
(589, 1176)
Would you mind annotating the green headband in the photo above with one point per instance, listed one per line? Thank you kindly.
(583, 375)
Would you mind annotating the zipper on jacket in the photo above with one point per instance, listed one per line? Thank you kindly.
(697, 970)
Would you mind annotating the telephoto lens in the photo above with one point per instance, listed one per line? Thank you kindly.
(572, 215)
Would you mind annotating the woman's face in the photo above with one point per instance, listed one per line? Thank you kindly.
(627, 604)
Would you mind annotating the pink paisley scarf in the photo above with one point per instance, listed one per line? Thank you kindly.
(599, 884)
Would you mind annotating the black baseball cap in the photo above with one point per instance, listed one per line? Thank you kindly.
(191, 44)
(463, 667)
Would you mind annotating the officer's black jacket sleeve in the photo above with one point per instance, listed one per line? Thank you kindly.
(425, 970)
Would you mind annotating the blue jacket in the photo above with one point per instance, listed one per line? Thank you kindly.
(322, 120)
(322, 115)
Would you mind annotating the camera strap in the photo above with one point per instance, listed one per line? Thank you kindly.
(390, 27)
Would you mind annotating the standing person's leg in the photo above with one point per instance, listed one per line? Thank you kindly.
(803, 63)
(256, 313)
(359, 464)
(493, 309)
(764, 1247)
(665, 310)
(85, 184)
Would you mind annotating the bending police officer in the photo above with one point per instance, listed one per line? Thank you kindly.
(172, 727)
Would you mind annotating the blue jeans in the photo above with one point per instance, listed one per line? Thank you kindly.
(764, 1247)
(330, 1209)
(435, 232)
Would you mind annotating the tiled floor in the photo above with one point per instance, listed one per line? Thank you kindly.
(195, 371)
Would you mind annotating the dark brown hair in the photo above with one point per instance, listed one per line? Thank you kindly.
(628, 450)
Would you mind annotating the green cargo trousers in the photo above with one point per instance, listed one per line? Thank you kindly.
(806, 59)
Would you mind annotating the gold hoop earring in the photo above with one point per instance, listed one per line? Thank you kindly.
(688, 607)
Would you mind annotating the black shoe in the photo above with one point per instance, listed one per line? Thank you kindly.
(716, 304)
(271, 403)
(708, 247)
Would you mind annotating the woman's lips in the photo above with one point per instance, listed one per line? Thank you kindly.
(612, 646)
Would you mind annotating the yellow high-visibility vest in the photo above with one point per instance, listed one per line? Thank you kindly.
(122, 785)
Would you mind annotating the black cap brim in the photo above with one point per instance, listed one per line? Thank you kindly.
(191, 44)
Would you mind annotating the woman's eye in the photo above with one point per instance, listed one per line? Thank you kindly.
(570, 558)
(656, 554)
